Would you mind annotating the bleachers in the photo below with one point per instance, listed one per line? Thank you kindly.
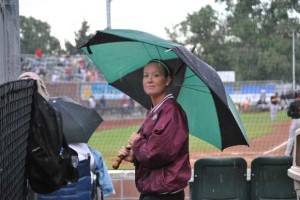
(257, 89)
(229, 89)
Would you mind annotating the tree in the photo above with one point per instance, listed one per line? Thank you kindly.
(204, 29)
(253, 38)
(35, 34)
(81, 37)
(265, 34)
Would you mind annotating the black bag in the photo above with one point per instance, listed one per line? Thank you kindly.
(49, 164)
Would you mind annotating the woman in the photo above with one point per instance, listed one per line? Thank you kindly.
(160, 150)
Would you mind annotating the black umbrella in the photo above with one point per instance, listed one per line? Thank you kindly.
(121, 54)
(79, 122)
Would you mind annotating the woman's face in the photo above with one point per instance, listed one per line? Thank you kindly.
(154, 81)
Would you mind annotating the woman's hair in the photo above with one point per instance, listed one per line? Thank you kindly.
(167, 70)
(40, 83)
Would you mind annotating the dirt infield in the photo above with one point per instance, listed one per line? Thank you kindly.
(270, 145)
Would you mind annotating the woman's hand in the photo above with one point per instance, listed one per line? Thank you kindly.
(127, 153)
(124, 151)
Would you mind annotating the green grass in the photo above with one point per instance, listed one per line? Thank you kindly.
(108, 142)
(259, 124)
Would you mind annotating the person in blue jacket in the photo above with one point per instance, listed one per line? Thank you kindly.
(90, 164)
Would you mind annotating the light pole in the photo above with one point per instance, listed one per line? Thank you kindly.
(108, 20)
(294, 71)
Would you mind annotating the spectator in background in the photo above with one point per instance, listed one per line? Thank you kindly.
(69, 73)
(294, 113)
(89, 75)
(262, 102)
(130, 106)
(102, 102)
(124, 105)
(55, 76)
(83, 74)
(95, 75)
(92, 102)
(275, 100)
(38, 54)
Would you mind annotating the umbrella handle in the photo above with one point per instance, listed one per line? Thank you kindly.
(119, 158)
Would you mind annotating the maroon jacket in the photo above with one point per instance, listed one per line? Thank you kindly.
(162, 153)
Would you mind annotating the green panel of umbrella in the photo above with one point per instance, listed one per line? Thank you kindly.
(126, 57)
(121, 54)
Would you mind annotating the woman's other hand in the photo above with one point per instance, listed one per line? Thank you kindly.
(134, 136)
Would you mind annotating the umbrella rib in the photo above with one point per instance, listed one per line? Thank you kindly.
(158, 52)
(191, 76)
(149, 52)
(146, 48)
(187, 77)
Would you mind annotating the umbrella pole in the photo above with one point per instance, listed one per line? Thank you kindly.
(119, 158)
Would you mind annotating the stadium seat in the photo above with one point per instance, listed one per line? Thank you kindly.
(220, 178)
(269, 179)
(270, 88)
(250, 89)
(229, 89)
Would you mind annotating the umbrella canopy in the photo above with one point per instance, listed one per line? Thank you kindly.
(121, 54)
(79, 122)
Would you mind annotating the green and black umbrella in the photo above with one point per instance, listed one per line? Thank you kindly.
(121, 54)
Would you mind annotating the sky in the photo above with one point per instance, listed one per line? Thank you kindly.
(66, 16)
